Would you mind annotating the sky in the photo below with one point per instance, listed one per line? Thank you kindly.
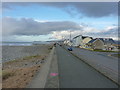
(38, 21)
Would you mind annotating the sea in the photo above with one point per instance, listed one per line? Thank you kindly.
(22, 43)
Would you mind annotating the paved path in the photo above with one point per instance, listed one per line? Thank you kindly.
(73, 73)
(53, 80)
(40, 78)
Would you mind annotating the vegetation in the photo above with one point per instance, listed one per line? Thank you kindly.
(99, 50)
(25, 58)
(13, 71)
(89, 49)
(116, 55)
(7, 74)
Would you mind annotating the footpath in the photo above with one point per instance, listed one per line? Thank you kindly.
(47, 76)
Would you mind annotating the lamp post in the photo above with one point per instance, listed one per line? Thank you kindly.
(70, 39)
(70, 35)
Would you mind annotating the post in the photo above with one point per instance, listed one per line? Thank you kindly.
(70, 35)
(70, 38)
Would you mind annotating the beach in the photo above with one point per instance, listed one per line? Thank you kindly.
(21, 63)
(15, 52)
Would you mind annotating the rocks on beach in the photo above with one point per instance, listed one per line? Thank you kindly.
(14, 52)
(28, 61)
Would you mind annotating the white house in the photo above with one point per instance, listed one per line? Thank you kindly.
(96, 43)
(85, 41)
(102, 43)
(77, 40)
(81, 41)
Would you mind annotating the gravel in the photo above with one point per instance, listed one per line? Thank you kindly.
(15, 52)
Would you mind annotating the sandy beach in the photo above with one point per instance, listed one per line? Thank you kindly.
(21, 63)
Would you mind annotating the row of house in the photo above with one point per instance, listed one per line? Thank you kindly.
(89, 42)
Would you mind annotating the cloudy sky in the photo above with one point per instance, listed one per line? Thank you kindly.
(30, 21)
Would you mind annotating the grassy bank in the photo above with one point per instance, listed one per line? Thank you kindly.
(98, 50)
(116, 55)
(104, 50)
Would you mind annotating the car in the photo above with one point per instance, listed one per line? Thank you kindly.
(70, 49)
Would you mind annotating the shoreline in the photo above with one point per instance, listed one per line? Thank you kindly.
(16, 52)
(21, 70)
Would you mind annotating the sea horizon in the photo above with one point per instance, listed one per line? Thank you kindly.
(18, 43)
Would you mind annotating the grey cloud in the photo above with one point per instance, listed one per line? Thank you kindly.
(28, 26)
(109, 33)
(90, 9)
(24, 26)
(98, 9)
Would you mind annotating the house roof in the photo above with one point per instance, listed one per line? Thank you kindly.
(102, 39)
(77, 36)
(91, 41)
(83, 37)
(105, 40)
(91, 37)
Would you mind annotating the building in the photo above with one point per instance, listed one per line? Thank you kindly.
(101, 43)
(85, 41)
(81, 41)
(96, 44)
(77, 40)
(108, 43)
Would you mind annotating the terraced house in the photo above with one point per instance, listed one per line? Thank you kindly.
(102, 43)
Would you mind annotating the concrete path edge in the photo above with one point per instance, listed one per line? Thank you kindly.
(40, 78)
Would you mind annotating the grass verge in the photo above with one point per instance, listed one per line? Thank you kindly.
(6, 74)
(104, 50)
(116, 55)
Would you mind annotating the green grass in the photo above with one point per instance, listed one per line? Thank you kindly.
(6, 74)
(89, 49)
(104, 50)
(116, 55)
(19, 60)
(12, 61)
(99, 50)
(29, 57)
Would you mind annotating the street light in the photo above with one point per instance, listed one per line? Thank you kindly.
(70, 35)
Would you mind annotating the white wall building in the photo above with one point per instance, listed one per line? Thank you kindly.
(77, 40)
(81, 40)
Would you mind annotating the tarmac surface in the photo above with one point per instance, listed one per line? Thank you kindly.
(74, 73)
(101, 61)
